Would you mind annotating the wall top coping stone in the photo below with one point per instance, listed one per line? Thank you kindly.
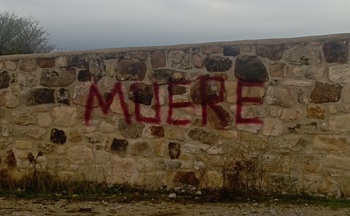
(182, 46)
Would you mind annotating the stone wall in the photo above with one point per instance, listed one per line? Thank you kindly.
(204, 115)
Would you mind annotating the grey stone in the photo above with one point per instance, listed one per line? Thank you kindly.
(84, 76)
(336, 51)
(141, 93)
(272, 52)
(63, 96)
(79, 62)
(97, 69)
(180, 59)
(58, 78)
(250, 68)
(4, 80)
(218, 64)
(39, 96)
(119, 146)
(164, 76)
(280, 96)
(131, 69)
(58, 136)
(231, 51)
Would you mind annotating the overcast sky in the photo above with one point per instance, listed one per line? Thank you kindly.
(87, 24)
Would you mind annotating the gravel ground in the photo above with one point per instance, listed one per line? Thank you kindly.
(9, 206)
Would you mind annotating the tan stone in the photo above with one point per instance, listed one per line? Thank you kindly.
(107, 127)
(345, 182)
(273, 127)
(11, 65)
(330, 143)
(24, 117)
(20, 83)
(61, 61)
(197, 60)
(339, 123)
(81, 93)
(144, 165)
(253, 92)
(154, 179)
(23, 145)
(229, 134)
(332, 108)
(345, 95)
(159, 148)
(253, 128)
(111, 67)
(102, 157)
(64, 116)
(8, 99)
(28, 65)
(117, 108)
(340, 73)
(290, 114)
(212, 179)
(313, 182)
(122, 171)
(278, 70)
(332, 161)
(246, 48)
(74, 136)
(80, 154)
(298, 82)
(44, 119)
(231, 91)
(36, 133)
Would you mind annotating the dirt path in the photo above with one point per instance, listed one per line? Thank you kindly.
(67, 208)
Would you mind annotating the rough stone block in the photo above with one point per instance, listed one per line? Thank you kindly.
(80, 154)
(28, 65)
(250, 68)
(122, 171)
(336, 51)
(59, 77)
(131, 69)
(158, 59)
(218, 64)
(23, 145)
(180, 59)
(325, 92)
(4, 80)
(46, 62)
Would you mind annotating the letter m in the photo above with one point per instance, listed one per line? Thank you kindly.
(105, 104)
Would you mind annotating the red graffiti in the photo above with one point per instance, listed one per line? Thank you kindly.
(140, 117)
(207, 101)
(241, 100)
(173, 105)
(105, 105)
